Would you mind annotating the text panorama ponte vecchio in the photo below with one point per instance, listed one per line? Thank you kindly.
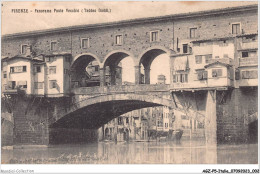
(213, 74)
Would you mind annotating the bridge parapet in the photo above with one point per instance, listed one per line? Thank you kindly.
(121, 89)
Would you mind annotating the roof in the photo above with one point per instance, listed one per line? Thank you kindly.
(57, 54)
(213, 39)
(222, 38)
(217, 63)
(21, 57)
(136, 21)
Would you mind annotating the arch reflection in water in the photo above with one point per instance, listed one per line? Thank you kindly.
(186, 152)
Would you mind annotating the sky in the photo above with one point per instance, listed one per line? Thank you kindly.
(18, 22)
(21, 22)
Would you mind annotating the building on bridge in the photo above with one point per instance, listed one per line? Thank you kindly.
(46, 75)
(213, 64)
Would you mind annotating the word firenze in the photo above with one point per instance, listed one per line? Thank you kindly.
(83, 10)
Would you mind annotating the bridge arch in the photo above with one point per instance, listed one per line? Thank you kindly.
(78, 71)
(147, 57)
(93, 111)
(112, 61)
(113, 54)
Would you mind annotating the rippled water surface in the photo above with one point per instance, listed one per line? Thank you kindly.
(185, 152)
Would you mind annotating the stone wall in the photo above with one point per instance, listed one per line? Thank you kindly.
(71, 136)
(233, 113)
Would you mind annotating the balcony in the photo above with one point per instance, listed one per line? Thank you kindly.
(248, 45)
(248, 61)
(221, 60)
(16, 90)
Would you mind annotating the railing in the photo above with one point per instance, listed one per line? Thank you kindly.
(248, 45)
(222, 60)
(248, 61)
(121, 89)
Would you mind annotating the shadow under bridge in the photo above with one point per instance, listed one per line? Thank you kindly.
(95, 106)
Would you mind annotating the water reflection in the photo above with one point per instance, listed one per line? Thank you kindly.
(185, 152)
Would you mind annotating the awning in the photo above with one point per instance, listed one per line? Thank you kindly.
(181, 63)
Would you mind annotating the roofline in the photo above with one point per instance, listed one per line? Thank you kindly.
(20, 57)
(217, 63)
(135, 21)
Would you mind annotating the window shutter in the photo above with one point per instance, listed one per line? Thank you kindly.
(174, 78)
(205, 74)
(200, 75)
(237, 74)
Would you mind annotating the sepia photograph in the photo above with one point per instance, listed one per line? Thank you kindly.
(129, 82)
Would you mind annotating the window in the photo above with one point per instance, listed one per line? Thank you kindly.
(5, 74)
(96, 68)
(119, 120)
(49, 59)
(12, 84)
(244, 54)
(38, 85)
(185, 48)
(180, 78)
(23, 49)
(85, 43)
(225, 56)
(184, 117)
(202, 75)
(236, 28)
(216, 72)
(17, 69)
(119, 39)
(53, 46)
(193, 32)
(198, 59)
(250, 74)
(127, 120)
(37, 69)
(52, 70)
(208, 58)
(66, 71)
(154, 36)
(53, 84)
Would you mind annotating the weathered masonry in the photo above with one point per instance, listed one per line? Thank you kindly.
(214, 75)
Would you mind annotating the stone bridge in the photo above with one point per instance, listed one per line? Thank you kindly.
(94, 106)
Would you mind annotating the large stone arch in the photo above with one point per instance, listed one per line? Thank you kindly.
(147, 57)
(94, 111)
(78, 67)
(76, 58)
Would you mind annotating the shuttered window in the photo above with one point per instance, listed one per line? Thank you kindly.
(250, 74)
(38, 85)
(198, 59)
(216, 72)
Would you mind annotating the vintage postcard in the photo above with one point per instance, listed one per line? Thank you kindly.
(130, 82)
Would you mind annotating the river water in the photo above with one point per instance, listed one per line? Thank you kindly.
(185, 152)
